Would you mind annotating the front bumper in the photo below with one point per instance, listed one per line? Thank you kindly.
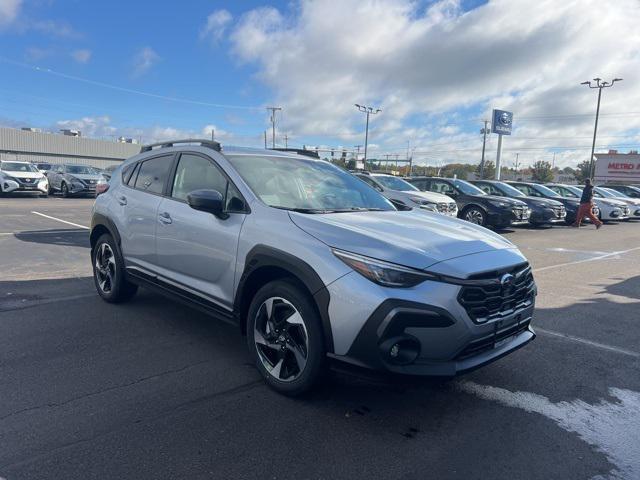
(616, 213)
(15, 185)
(447, 341)
(79, 190)
(548, 216)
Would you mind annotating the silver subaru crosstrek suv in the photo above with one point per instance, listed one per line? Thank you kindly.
(310, 262)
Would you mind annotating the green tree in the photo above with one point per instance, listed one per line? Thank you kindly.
(542, 172)
(489, 169)
(582, 171)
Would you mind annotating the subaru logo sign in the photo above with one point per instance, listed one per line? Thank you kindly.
(502, 122)
(507, 280)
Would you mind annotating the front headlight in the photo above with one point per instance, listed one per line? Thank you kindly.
(498, 203)
(383, 273)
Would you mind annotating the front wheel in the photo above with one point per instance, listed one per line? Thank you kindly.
(109, 275)
(475, 215)
(285, 337)
(64, 189)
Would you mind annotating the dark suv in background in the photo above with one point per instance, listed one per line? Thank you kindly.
(540, 191)
(544, 211)
(474, 205)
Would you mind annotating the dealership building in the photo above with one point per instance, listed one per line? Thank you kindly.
(618, 167)
(68, 146)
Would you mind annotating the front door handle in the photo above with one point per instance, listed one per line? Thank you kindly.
(165, 218)
(122, 200)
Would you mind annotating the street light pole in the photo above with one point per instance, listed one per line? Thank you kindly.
(273, 125)
(599, 84)
(368, 111)
(484, 132)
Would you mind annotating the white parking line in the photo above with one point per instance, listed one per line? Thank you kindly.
(591, 343)
(60, 220)
(593, 259)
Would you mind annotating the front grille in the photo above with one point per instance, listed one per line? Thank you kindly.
(489, 298)
(489, 343)
(625, 211)
(452, 207)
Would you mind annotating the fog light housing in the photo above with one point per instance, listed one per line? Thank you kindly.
(402, 350)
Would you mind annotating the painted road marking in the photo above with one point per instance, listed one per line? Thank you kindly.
(60, 220)
(593, 259)
(584, 341)
(613, 428)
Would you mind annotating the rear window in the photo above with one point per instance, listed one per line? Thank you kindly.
(153, 173)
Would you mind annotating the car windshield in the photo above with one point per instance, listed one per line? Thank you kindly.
(546, 191)
(577, 191)
(44, 166)
(467, 188)
(80, 170)
(605, 193)
(17, 167)
(395, 183)
(306, 185)
(509, 190)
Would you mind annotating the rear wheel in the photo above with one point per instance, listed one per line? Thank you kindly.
(109, 275)
(475, 215)
(64, 189)
(285, 337)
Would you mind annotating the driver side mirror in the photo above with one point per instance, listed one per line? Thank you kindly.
(210, 201)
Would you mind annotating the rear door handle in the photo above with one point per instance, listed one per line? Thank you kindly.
(122, 200)
(165, 218)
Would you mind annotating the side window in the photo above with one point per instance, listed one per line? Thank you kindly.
(419, 184)
(371, 182)
(440, 186)
(132, 174)
(485, 188)
(233, 201)
(197, 173)
(153, 173)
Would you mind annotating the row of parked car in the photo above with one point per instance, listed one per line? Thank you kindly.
(497, 204)
(45, 178)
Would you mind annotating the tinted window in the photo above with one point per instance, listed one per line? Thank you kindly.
(419, 184)
(196, 173)
(369, 181)
(153, 174)
(129, 174)
(395, 183)
(441, 186)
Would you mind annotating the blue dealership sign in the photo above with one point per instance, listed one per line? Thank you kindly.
(502, 122)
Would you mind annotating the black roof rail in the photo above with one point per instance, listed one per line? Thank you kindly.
(170, 143)
(299, 151)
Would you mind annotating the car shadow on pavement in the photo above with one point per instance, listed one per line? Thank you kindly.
(64, 237)
(628, 287)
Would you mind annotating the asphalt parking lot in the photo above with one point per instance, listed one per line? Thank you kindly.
(152, 389)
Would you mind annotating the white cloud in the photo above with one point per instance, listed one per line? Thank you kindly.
(216, 25)
(143, 60)
(82, 55)
(323, 56)
(9, 10)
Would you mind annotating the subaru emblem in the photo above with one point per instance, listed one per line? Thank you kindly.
(507, 280)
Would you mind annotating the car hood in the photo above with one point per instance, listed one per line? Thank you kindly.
(430, 196)
(540, 202)
(495, 198)
(85, 176)
(610, 202)
(11, 173)
(415, 238)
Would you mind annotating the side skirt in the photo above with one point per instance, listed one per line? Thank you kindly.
(197, 301)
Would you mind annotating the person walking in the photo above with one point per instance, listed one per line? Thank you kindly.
(586, 206)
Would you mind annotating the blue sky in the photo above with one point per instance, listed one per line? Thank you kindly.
(435, 68)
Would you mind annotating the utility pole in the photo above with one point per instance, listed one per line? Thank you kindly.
(484, 132)
(357, 154)
(599, 84)
(265, 139)
(286, 144)
(273, 124)
(368, 111)
(517, 164)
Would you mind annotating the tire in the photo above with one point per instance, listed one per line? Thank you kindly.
(285, 337)
(475, 215)
(50, 189)
(64, 190)
(109, 275)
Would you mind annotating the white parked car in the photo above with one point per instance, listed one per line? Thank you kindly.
(632, 203)
(22, 177)
(610, 208)
(400, 191)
